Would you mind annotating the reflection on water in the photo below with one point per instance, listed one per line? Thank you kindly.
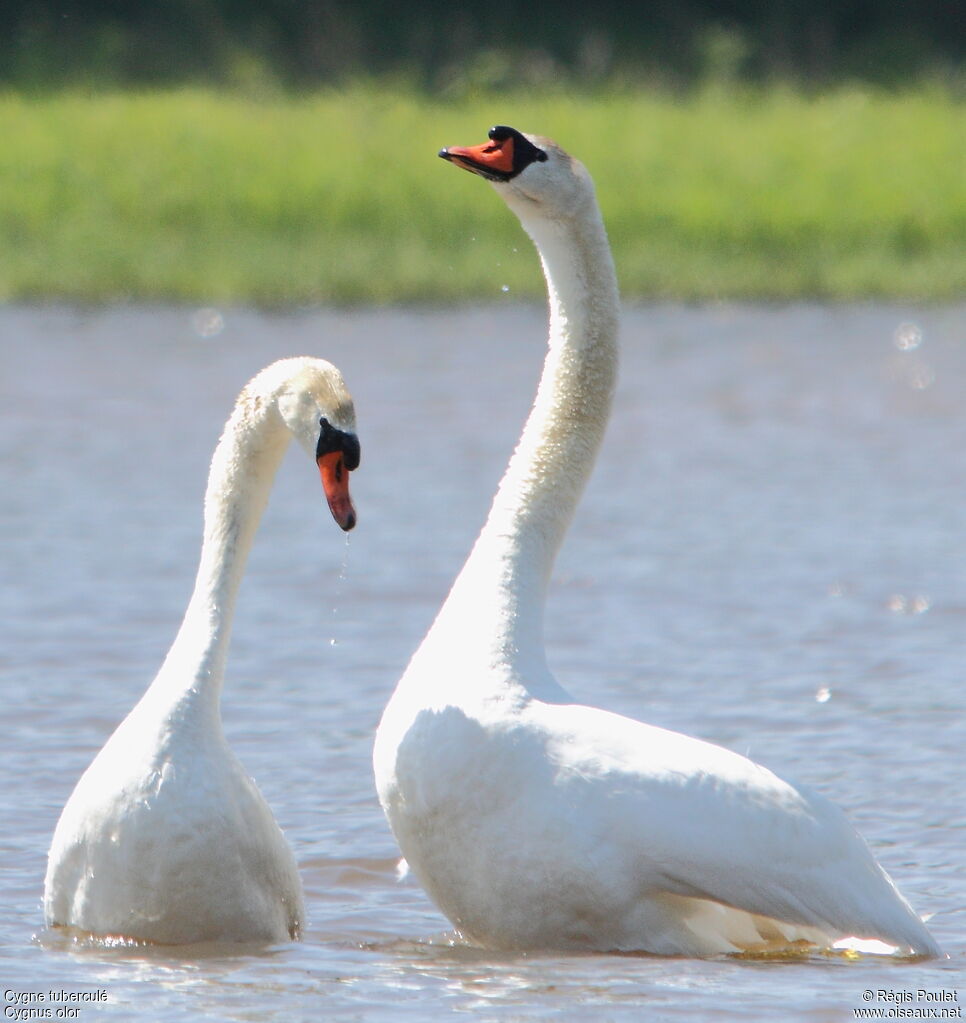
(769, 556)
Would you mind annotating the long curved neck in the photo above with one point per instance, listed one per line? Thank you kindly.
(505, 577)
(239, 482)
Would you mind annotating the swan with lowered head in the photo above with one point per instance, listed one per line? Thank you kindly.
(534, 822)
(165, 838)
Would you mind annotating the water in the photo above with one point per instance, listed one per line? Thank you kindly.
(770, 556)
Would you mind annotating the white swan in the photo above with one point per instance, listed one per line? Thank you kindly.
(165, 837)
(537, 823)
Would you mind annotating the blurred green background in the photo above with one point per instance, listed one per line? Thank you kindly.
(284, 153)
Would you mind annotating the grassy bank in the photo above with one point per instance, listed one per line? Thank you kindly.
(338, 197)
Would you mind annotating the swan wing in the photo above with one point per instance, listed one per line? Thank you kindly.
(691, 819)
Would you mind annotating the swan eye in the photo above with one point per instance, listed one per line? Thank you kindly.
(524, 152)
(332, 439)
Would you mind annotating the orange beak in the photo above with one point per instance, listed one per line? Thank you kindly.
(335, 483)
(493, 160)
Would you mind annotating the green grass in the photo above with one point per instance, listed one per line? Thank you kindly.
(210, 197)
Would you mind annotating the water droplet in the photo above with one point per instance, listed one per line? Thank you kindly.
(899, 603)
(823, 694)
(207, 322)
(922, 376)
(337, 596)
(907, 336)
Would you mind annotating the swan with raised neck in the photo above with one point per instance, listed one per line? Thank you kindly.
(534, 822)
(165, 838)
(497, 601)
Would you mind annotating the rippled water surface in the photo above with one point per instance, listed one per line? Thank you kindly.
(770, 555)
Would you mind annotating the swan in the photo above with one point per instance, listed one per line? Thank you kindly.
(165, 838)
(537, 823)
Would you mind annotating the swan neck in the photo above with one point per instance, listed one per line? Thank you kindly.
(509, 568)
(243, 468)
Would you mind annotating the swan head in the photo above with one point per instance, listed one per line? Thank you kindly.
(532, 173)
(314, 403)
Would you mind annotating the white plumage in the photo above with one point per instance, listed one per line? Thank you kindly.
(165, 837)
(537, 823)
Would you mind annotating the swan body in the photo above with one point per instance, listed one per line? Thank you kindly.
(534, 822)
(165, 838)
